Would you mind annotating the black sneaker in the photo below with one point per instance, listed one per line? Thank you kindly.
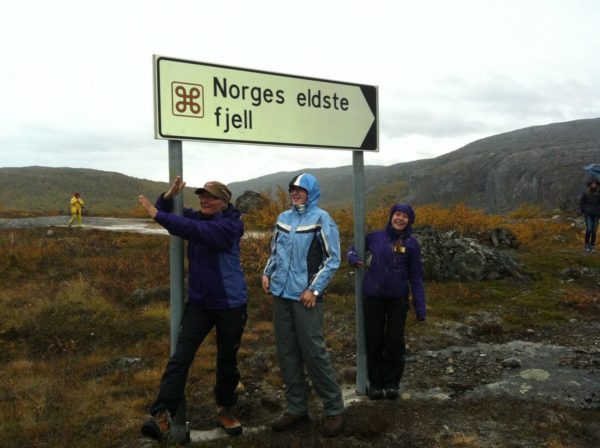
(376, 394)
(158, 426)
(392, 393)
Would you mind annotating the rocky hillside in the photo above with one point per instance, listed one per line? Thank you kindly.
(539, 165)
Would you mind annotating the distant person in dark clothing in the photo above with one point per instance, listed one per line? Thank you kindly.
(394, 271)
(589, 205)
(217, 298)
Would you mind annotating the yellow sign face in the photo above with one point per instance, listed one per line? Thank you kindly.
(198, 101)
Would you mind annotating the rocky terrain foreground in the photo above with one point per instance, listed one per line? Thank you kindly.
(509, 355)
(506, 363)
(538, 389)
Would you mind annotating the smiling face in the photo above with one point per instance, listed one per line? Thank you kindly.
(399, 220)
(210, 205)
(298, 195)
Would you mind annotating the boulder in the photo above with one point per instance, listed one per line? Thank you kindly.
(448, 256)
(500, 237)
(250, 200)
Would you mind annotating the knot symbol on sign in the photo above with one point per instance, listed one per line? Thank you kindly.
(187, 99)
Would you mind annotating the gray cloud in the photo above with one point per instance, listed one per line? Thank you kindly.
(457, 107)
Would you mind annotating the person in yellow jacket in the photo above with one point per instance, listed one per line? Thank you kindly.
(76, 209)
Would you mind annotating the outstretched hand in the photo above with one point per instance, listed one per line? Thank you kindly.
(176, 188)
(150, 208)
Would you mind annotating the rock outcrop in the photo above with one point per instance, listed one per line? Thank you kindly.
(250, 200)
(447, 256)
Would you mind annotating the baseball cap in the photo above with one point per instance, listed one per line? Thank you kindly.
(216, 189)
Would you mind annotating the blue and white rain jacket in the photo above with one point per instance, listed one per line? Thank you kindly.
(305, 249)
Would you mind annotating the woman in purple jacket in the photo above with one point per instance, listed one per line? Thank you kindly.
(394, 271)
(217, 299)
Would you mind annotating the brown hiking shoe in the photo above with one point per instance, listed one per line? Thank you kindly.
(333, 425)
(228, 422)
(288, 421)
(158, 426)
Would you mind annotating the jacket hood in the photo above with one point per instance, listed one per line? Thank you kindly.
(411, 218)
(311, 185)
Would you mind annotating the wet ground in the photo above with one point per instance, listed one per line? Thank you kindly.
(92, 222)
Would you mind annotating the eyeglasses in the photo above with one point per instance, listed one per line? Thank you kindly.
(207, 197)
(296, 190)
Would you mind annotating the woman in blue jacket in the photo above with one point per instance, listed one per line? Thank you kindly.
(394, 271)
(216, 298)
(305, 254)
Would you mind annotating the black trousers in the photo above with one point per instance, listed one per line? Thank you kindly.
(196, 323)
(384, 336)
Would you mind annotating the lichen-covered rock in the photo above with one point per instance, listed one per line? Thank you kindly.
(249, 201)
(449, 256)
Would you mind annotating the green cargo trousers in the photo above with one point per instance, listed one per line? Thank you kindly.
(300, 343)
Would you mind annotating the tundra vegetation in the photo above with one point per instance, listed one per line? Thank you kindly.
(84, 338)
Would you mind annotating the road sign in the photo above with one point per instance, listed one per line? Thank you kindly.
(200, 101)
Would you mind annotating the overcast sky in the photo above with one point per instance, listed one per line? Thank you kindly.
(76, 85)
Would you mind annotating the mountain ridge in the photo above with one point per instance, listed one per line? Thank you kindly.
(541, 165)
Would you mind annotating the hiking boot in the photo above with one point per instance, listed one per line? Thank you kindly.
(228, 422)
(375, 394)
(288, 421)
(333, 425)
(392, 393)
(158, 426)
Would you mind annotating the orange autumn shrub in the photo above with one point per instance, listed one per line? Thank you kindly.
(459, 217)
(540, 232)
(264, 218)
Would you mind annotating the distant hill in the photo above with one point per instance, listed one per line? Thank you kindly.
(49, 190)
(540, 165)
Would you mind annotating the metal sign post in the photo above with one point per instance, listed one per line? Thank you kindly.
(178, 431)
(358, 169)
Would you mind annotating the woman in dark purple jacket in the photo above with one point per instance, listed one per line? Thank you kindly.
(217, 299)
(394, 271)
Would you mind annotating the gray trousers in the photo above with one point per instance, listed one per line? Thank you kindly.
(300, 343)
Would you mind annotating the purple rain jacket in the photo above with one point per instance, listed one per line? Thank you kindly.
(393, 274)
(215, 278)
